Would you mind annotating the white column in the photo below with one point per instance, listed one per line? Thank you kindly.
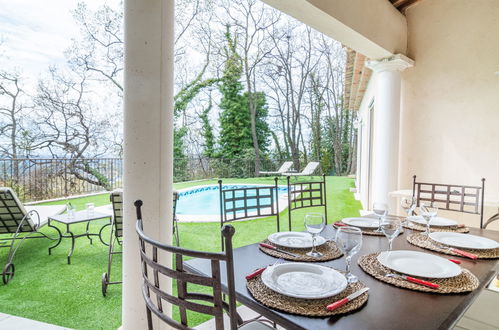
(386, 125)
(148, 131)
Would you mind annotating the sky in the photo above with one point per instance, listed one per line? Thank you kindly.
(36, 33)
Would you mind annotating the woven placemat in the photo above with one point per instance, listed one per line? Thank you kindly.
(422, 241)
(465, 282)
(306, 307)
(419, 227)
(329, 251)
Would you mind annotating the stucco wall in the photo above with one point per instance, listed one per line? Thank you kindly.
(450, 99)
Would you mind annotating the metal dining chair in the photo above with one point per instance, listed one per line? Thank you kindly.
(156, 297)
(451, 197)
(305, 194)
(116, 234)
(238, 203)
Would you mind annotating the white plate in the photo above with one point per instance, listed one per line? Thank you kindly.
(293, 239)
(361, 222)
(466, 241)
(435, 222)
(304, 280)
(419, 264)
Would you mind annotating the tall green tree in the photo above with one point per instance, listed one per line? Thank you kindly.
(235, 121)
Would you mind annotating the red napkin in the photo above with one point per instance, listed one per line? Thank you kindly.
(455, 261)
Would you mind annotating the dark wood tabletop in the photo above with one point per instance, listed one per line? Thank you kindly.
(388, 307)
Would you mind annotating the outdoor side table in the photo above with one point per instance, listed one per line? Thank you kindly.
(78, 217)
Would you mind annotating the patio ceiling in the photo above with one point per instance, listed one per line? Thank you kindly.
(357, 76)
(402, 5)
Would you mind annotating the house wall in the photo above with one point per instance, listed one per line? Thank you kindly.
(449, 129)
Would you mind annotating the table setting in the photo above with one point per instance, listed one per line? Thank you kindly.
(302, 246)
(417, 222)
(303, 287)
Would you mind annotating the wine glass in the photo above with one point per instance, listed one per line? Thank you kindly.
(381, 210)
(349, 241)
(314, 223)
(409, 205)
(428, 212)
(391, 227)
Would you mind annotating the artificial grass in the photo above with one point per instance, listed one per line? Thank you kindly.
(47, 289)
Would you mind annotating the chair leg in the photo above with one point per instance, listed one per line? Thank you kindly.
(149, 318)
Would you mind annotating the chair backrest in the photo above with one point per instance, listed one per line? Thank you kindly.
(12, 213)
(310, 168)
(306, 194)
(451, 197)
(285, 167)
(153, 272)
(248, 202)
(117, 202)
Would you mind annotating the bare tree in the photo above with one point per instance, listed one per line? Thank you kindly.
(253, 21)
(70, 125)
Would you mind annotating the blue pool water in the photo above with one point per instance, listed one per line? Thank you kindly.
(206, 200)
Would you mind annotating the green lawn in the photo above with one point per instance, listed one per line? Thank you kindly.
(47, 289)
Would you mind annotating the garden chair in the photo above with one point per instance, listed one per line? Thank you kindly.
(21, 222)
(306, 194)
(249, 202)
(155, 297)
(451, 197)
(308, 170)
(116, 234)
(285, 167)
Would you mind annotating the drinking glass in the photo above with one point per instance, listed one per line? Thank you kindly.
(349, 241)
(381, 210)
(391, 227)
(90, 209)
(70, 210)
(314, 223)
(428, 212)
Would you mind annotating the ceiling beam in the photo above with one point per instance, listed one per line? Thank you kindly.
(373, 28)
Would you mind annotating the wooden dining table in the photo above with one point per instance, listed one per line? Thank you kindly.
(388, 307)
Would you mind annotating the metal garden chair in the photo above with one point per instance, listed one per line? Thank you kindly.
(248, 202)
(156, 297)
(451, 197)
(116, 234)
(306, 194)
(19, 223)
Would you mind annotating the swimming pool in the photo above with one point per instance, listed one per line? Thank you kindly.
(202, 203)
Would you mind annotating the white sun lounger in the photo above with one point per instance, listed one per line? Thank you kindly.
(308, 170)
(285, 167)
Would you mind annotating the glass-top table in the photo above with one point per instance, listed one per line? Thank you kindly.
(77, 217)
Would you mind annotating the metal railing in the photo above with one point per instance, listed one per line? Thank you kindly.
(47, 178)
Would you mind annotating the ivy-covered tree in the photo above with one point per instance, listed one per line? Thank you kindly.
(235, 119)
(207, 132)
(235, 126)
(262, 125)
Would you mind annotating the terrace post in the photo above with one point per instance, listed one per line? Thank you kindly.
(386, 125)
(148, 151)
